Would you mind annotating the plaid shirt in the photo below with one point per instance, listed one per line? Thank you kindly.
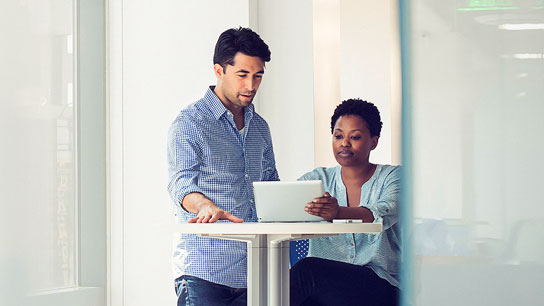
(207, 154)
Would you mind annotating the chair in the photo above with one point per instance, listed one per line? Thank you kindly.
(297, 250)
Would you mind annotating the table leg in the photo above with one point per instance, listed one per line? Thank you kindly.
(285, 265)
(274, 273)
(278, 270)
(256, 271)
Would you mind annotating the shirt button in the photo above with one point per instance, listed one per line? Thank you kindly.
(351, 256)
(247, 175)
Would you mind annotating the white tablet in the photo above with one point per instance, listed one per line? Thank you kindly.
(283, 201)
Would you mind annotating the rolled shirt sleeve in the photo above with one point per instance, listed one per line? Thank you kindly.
(270, 173)
(384, 208)
(183, 161)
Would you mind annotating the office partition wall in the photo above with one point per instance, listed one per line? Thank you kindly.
(473, 75)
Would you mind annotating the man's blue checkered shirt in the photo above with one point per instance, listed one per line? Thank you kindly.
(207, 154)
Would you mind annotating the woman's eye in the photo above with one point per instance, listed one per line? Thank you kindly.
(355, 137)
(337, 136)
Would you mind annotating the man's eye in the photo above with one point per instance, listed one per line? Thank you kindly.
(259, 76)
(242, 75)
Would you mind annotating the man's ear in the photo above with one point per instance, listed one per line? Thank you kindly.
(375, 140)
(218, 70)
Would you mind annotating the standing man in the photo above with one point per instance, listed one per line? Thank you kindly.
(217, 147)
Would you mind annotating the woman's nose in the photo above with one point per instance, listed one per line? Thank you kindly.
(345, 142)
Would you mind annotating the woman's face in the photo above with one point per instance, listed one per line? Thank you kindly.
(351, 141)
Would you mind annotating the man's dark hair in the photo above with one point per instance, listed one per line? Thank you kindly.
(242, 40)
(366, 110)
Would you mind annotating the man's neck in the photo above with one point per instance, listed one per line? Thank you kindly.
(234, 109)
(237, 112)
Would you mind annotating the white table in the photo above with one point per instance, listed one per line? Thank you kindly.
(268, 251)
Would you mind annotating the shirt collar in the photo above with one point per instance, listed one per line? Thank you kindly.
(218, 108)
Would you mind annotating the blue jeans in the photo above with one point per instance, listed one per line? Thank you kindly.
(322, 282)
(193, 291)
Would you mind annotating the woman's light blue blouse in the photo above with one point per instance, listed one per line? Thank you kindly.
(380, 194)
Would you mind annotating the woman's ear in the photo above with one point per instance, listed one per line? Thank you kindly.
(375, 140)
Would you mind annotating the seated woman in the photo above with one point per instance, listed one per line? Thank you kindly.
(353, 269)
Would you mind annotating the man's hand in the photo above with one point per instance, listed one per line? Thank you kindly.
(210, 213)
(325, 207)
(206, 211)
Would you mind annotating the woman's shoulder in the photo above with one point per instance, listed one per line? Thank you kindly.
(389, 172)
(320, 173)
(389, 168)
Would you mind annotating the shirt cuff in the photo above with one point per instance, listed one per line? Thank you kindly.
(375, 213)
(181, 195)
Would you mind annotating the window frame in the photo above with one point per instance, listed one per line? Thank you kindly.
(90, 120)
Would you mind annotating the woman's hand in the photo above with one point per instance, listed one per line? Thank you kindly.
(325, 207)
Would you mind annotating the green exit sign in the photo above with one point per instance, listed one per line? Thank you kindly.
(490, 3)
(495, 5)
(487, 5)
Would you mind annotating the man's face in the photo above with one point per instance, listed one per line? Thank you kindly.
(237, 84)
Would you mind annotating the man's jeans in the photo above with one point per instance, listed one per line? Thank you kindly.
(193, 291)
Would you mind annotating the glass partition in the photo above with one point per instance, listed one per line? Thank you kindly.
(38, 156)
(473, 93)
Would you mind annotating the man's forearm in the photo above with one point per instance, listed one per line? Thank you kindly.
(193, 202)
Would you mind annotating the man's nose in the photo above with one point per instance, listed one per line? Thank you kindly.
(250, 84)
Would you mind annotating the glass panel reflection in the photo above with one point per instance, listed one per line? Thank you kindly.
(477, 86)
(37, 124)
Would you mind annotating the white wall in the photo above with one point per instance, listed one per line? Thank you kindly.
(370, 66)
(327, 76)
(286, 97)
(357, 55)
